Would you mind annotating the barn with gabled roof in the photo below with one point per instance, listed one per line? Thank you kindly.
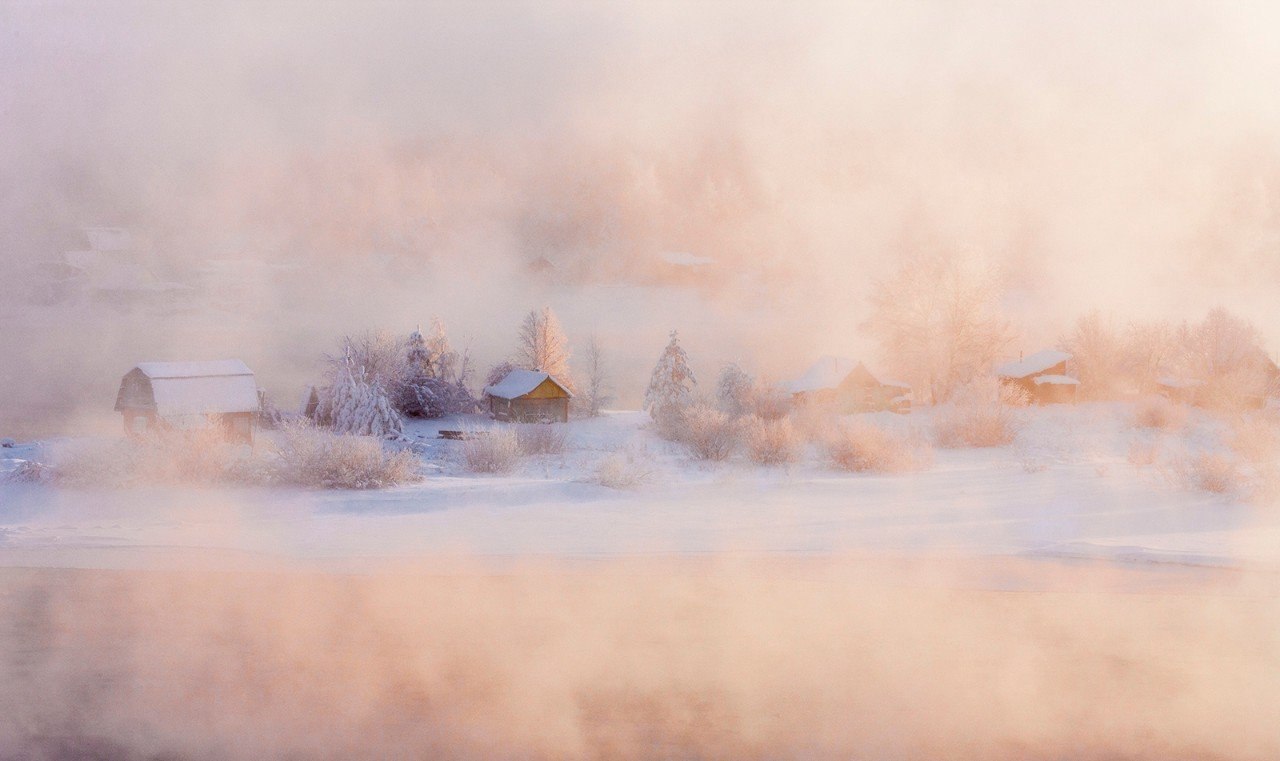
(529, 396)
(219, 393)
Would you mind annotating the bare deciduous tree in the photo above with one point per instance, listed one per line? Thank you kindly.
(938, 321)
(597, 391)
(543, 345)
(1098, 352)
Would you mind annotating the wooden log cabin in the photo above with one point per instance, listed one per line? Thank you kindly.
(529, 396)
(849, 386)
(185, 395)
(1041, 376)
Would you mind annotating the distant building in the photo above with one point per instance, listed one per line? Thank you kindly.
(529, 396)
(181, 395)
(849, 387)
(1042, 376)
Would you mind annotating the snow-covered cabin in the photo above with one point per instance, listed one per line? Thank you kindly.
(850, 387)
(221, 393)
(1043, 376)
(529, 396)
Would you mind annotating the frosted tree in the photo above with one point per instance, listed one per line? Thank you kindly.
(1226, 353)
(543, 346)
(1149, 350)
(434, 381)
(444, 360)
(597, 387)
(670, 390)
(939, 322)
(734, 390)
(1097, 351)
(354, 404)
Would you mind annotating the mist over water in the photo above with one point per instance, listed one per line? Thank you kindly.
(409, 160)
(646, 659)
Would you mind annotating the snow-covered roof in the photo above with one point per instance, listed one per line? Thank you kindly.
(517, 383)
(1056, 380)
(199, 369)
(200, 388)
(829, 372)
(108, 238)
(685, 259)
(1032, 364)
(826, 373)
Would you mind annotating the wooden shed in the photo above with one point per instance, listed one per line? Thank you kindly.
(184, 395)
(849, 387)
(1042, 376)
(529, 396)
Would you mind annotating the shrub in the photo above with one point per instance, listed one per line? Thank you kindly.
(625, 469)
(491, 451)
(710, 434)
(316, 458)
(1160, 414)
(1208, 471)
(772, 442)
(196, 456)
(28, 472)
(1143, 453)
(982, 414)
(1256, 438)
(535, 438)
(863, 447)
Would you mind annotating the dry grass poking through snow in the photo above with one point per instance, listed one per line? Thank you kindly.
(536, 438)
(710, 434)
(624, 469)
(492, 450)
(772, 442)
(1158, 413)
(982, 414)
(306, 457)
(862, 447)
(316, 458)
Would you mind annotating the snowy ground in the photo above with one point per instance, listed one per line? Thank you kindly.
(1064, 489)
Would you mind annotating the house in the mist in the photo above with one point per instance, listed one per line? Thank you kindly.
(182, 395)
(1042, 376)
(1180, 390)
(529, 396)
(848, 386)
(1252, 383)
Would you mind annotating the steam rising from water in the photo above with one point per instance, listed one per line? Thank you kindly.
(632, 660)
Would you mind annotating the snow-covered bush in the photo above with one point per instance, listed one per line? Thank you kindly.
(1143, 453)
(772, 442)
(981, 414)
(1208, 471)
(28, 472)
(670, 390)
(623, 469)
(1158, 413)
(710, 434)
(770, 402)
(494, 450)
(860, 446)
(316, 458)
(536, 438)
